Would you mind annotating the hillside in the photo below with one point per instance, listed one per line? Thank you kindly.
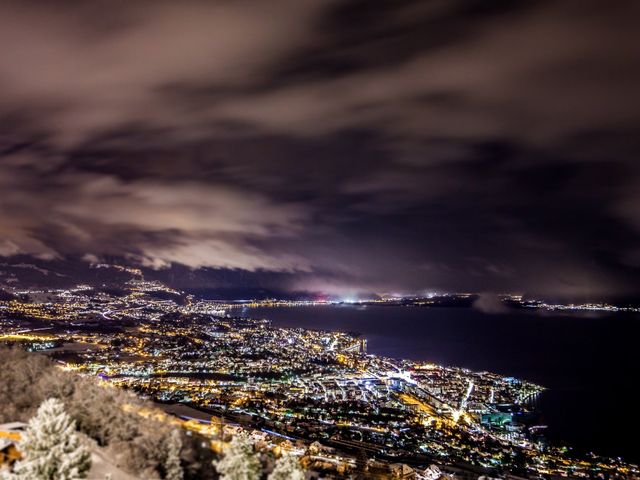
(123, 443)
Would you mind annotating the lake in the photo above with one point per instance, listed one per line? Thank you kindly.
(588, 361)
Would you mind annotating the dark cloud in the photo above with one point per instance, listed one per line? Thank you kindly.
(348, 145)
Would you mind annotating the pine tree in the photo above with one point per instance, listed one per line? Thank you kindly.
(173, 470)
(239, 462)
(287, 468)
(51, 448)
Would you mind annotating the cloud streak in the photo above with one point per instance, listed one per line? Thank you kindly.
(369, 145)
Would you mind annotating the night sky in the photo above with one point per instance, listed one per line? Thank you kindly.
(334, 146)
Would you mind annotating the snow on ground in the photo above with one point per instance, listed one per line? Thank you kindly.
(101, 465)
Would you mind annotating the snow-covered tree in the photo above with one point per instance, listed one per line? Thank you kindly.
(51, 448)
(173, 470)
(239, 462)
(287, 468)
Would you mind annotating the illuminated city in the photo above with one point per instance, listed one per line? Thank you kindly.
(311, 386)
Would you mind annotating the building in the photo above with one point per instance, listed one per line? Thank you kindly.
(10, 435)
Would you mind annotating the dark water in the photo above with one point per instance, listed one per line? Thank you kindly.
(589, 362)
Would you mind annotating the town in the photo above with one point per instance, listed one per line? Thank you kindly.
(218, 371)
